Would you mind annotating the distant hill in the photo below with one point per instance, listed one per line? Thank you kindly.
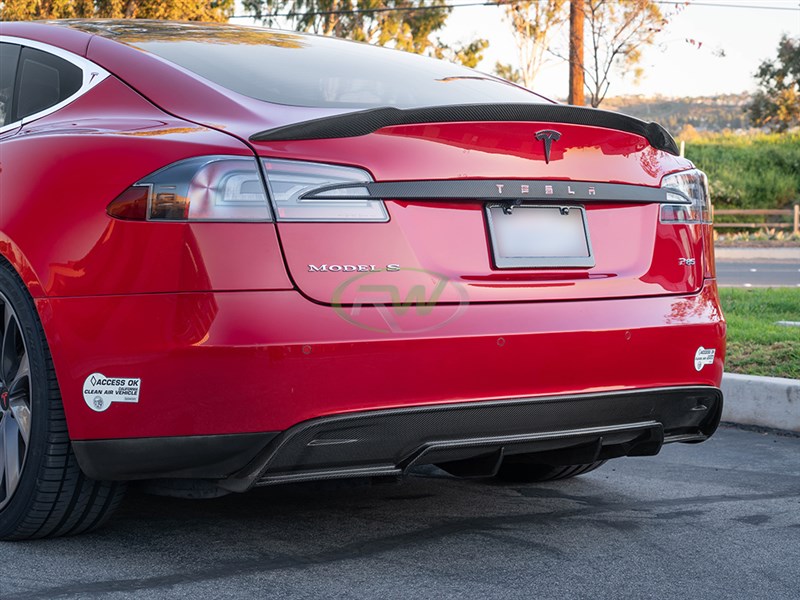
(710, 113)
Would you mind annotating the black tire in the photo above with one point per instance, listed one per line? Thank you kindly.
(51, 496)
(522, 471)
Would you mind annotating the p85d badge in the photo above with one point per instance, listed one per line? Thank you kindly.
(100, 391)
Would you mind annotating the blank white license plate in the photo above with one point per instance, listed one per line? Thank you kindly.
(530, 236)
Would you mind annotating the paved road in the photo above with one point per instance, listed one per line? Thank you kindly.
(716, 520)
(758, 273)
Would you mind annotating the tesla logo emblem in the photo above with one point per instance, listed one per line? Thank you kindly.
(548, 136)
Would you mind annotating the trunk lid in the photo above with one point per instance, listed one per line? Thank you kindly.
(469, 202)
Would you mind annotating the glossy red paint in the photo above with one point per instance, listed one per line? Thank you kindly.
(636, 255)
(226, 339)
(491, 151)
(234, 362)
(451, 241)
(66, 38)
(97, 147)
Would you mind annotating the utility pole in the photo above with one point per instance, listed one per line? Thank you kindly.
(576, 17)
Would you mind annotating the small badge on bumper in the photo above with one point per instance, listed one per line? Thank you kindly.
(703, 357)
(100, 391)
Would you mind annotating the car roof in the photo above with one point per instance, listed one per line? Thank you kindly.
(129, 31)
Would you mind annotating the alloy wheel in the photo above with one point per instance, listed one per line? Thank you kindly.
(15, 402)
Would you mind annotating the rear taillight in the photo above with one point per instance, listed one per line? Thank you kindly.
(689, 191)
(691, 188)
(307, 191)
(230, 188)
(206, 188)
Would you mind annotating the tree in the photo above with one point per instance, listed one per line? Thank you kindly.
(26, 10)
(468, 55)
(508, 72)
(776, 105)
(192, 10)
(402, 24)
(532, 25)
(577, 15)
(688, 133)
(618, 31)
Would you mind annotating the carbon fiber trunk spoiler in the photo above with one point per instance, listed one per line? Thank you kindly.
(363, 122)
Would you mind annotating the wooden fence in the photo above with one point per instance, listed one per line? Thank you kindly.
(792, 223)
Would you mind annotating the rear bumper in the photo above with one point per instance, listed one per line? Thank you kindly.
(249, 362)
(580, 428)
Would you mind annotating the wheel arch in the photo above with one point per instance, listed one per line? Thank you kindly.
(13, 255)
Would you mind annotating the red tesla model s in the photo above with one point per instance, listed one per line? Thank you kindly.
(235, 257)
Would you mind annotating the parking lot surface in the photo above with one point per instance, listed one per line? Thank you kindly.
(716, 520)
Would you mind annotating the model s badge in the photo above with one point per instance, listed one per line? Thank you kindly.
(548, 136)
(350, 268)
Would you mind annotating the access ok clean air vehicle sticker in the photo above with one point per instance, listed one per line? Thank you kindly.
(100, 391)
(703, 357)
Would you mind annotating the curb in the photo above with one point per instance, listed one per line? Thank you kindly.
(743, 253)
(770, 402)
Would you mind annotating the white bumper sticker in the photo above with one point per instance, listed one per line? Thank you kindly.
(100, 391)
(703, 357)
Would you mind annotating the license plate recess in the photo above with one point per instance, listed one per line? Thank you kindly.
(531, 236)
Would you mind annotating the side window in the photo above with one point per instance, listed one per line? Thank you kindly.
(43, 80)
(9, 55)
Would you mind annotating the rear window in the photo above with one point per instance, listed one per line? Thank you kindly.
(9, 55)
(44, 80)
(314, 71)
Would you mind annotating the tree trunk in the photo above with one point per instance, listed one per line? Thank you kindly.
(576, 18)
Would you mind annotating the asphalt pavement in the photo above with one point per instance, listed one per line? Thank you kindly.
(758, 266)
(715, 520)
(758, 273)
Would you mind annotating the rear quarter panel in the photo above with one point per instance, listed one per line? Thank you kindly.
(58, 175)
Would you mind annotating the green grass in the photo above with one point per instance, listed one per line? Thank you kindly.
(756, 346)
(749, 171)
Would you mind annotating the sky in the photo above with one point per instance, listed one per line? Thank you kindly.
(745, 31)
(732, 37)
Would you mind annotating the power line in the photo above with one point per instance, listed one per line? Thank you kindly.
(715, 5)
(446, 6)
(364, 11)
